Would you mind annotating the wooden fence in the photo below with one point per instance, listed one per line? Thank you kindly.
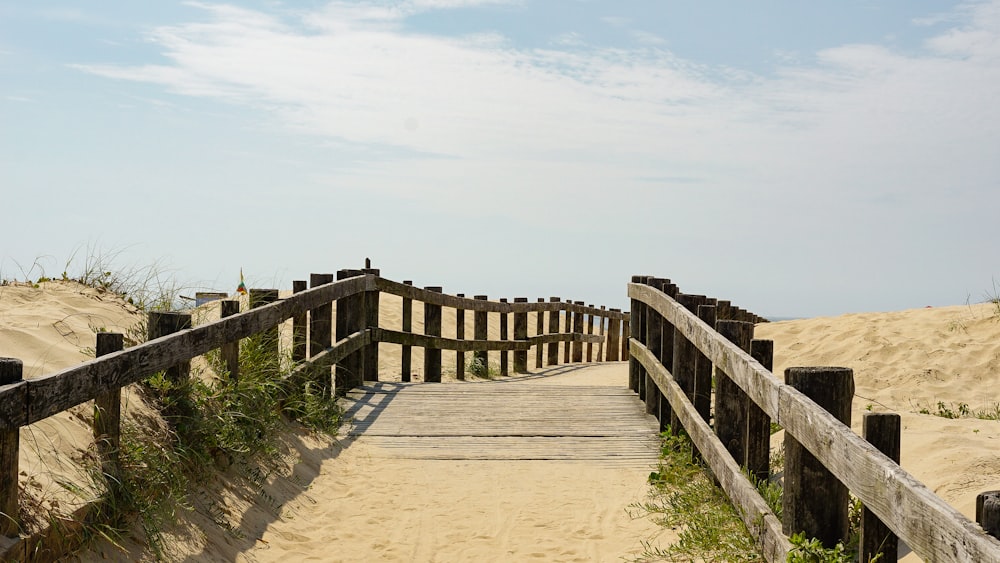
(676, 339)
(347, 342)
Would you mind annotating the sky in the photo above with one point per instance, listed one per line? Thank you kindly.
(798, 158)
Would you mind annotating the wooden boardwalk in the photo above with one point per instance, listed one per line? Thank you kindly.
(515, 418)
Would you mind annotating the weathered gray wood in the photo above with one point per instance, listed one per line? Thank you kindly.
(521, 333)
(539, 330)
(441, 343)
(321, 331)
(988, 512)
(588, 321)
(11, 373)
(269, 338)
(370, 306)
(758, 441)
(578, 320)
(300, 324)
(685, 361)
(504, 354)
(666, 356)
(432, 327)
(350, 318)
(882, 430)
(654, 341)
(230, 351)
(626, 336)
(933, 529)
(633, 334)
(731, 403)
(406, 360)
(614, 337)
(814, 501)
(553, 348)
(568, 315)
(601, 320)
(108, 415)
(760, 521)
(460, 335)
(480, 331)
(703, 372)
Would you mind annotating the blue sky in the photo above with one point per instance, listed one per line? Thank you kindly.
(799, 158)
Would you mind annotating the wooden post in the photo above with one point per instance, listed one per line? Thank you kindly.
(633, 334)
(626, 336)
(539, 330)
(685, 360)
(369, 353)
(407, 357)
(588, 323)
(988, 512)
(432, 327)
(162, 324)
(11, 372)
(639, 322)
(460, 335)
(299, 327)
(654, 341)
(578, 319)
(666, 357)
(521, 333)
(882, 431)
(614, 337)
(724, 311)
(504, 354)
(480, 329)
(730, 400)
(603, 342)
(349, 371)
(269, 337)
(815, 502)
(108, 417)
(758, 441)
(567, 330)
(321, 330)
(553, 349)
(703, 371)
(230, 351)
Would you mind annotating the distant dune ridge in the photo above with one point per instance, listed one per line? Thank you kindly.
(338, 503)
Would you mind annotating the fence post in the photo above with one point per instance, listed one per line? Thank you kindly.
(626, 336)
(553, 347)
(814, 501)
(730, 400)
(432, 327)
(369, 353)
(521, 333)
(666, 355)
(299, 324)
(406, 365)
(568, 328)
(685, 359)
(108, 417)
(321, 330)
(633, 334)
(654, 341)
(614, 337)
(269, 337)
(504, 354)
(162, 324)
(588, 322)
(703, 371)
(758, 441)
(539, 330)
(988, 512)
(578, 319)
(350, 319)
(601, 333)
(230, 351)
(11, 372)
(460, 335)
(480, 329)
(882, 431)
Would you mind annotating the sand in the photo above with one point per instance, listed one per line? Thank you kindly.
(336, 500)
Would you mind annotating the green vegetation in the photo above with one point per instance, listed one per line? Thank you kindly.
(476, 367)
(962, 410)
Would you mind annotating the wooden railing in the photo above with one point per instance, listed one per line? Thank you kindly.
(676, 339)
(347, 341)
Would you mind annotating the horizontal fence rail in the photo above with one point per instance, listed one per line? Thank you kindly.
(350, 345)
(930, 527)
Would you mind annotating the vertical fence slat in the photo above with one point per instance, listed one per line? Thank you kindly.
(369, 353)
(588, 322)
(988, 512)
(521, 333)
(654, 341)
(321, 330)
(480, 329)
(703, 370)
(567, 329)
(406, 361)
(615, 338)
(432, 327)
(633, 334)
(730, 400)
(578, 320)
(269, 337)
(553, 347)
(230, 351)
(539, 330)
(299, 327)
(504, 354)
(625, 336)
(666, 356)
(11, 371)
(460, 335)
(108, 416)
(350, 319)
(814, 501)
(601, 345)
(758, 441)
(882, 430)
(684, 359)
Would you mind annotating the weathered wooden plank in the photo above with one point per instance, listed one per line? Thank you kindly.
(11, 372)
(761, 522)
(933, 529)
(444, 343)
